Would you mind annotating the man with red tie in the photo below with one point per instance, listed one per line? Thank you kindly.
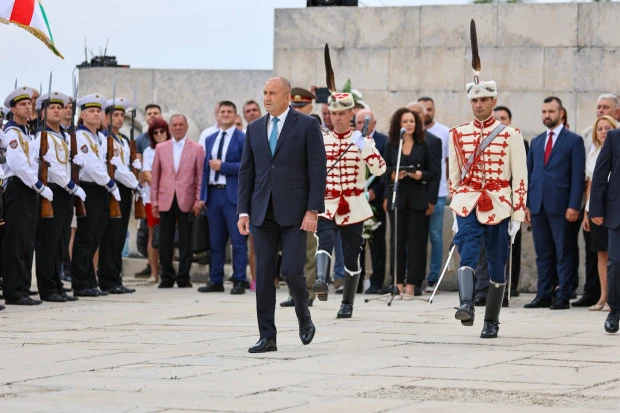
(556, 172)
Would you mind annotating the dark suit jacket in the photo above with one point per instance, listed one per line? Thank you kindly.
(604, 195)
(378, 184)
(416, 193)
(559, 184)
(436, 154)
(293, 178)
(229, 168)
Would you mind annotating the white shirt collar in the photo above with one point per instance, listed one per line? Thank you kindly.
(556, 131)
(229, 131)
(180, 142)
(281, 117)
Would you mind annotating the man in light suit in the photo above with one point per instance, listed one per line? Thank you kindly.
(281, 191)
(605, 210)
(175, 193)
(219, 194)
(556, 172)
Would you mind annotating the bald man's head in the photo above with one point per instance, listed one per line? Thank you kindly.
(359, 120)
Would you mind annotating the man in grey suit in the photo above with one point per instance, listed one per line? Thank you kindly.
(281, 192)
(605, 210)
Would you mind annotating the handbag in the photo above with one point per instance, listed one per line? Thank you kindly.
(200, 233)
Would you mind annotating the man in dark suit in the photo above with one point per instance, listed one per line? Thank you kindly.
(605, 210)
(556, 171)
(375, 198)
(219, 192)
(281, 192)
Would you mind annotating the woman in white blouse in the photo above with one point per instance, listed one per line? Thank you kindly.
(598, 233)
(158, 132)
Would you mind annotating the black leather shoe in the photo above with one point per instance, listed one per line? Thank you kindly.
(184, 284)
(306, 329)
(165, 284)
(611, 323)
(33, 292)
(263, 345)
(417, 290)
(128, 290)
(121, 289)
(288, 303)
(538, 302)
(101, 292)
(238, 288)
(584, 301)
(346, 311)
(2, 307)
(145, 272)
(67, 296)
(514, 293)
(559, 304)
(211, 287)
(54, 298)
(88, 292)
(22, 301)
(490, 329)
(373, 289)
(480, 301)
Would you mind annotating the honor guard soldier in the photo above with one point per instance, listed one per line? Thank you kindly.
(110, 251)
(49, 230)
(22, 190)
(98, 185)
(488, 185)
(346, 207)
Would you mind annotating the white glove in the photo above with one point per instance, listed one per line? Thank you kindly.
(140, 189)
(48, 157)
(513, 228)
(358, 140)
(79, 192)
(137, 164)
(116, 194)
(47, 193)
(116, 161)
(79, 160)
(455, 225)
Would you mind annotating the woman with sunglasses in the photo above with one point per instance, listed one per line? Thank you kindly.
(158, 132)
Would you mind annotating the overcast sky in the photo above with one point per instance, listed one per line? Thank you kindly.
(163, 34)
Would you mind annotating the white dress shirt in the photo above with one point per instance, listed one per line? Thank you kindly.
(282, 119)
(147, 166)
(206, 133)
(177, 150)
(556, 132)
(443, 133)
(222, 178)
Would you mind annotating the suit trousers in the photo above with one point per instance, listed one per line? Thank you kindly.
(22, 214)
(553, 232)
(168, 220)
(88, 236)
(222, 217)
(496, 241)
(111, 249)
(412, 240)
(613, 269)
(267, 239)
(592, 286)
(48, 257)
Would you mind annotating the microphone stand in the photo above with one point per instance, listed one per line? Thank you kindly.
(394, 207)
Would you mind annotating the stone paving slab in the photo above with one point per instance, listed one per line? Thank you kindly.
(181, 351)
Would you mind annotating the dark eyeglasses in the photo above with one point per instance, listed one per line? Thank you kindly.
(159, 131)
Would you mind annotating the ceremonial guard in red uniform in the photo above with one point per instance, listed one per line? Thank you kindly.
(346, 207)
(488, 185)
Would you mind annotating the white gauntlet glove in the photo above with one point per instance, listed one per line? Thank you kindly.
(47, 193)
(513, 228)
(455, 225)
(116, 194)
(137, 164)
(48, 157)
(358, 140)
(116, 161)
(79, 160)
(140, 189)
(79, 192)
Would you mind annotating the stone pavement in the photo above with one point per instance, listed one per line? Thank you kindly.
(179, 350)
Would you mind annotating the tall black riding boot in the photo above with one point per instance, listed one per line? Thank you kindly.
(323, 264)
(348, 296)
(491, 314)
(466, 279)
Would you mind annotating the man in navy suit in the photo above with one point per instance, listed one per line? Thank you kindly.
(556, 171)
(219, 192)
(605, 210)
(281, 192)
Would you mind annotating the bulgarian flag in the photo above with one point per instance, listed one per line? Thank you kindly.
(29, 15)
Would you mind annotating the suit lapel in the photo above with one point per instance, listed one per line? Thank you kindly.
(559, 142)
(289, 123)
(184, 154)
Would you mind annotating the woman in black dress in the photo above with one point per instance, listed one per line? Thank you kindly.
(412, 198)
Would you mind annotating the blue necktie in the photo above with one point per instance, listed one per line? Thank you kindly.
(273, 138)
(220, 149)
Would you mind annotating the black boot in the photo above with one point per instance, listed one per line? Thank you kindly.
(323, 265)
(466, 279)
(348, 296)
(491, 314)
